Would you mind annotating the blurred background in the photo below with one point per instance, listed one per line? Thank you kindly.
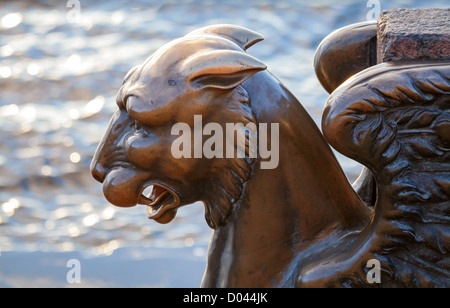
(61, 64)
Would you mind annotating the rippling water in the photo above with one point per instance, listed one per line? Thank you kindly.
(58, 80)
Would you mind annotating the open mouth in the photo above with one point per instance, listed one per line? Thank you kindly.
(161, 202)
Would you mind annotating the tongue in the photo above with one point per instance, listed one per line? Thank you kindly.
(156, 192)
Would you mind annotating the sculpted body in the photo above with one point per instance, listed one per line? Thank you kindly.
(299, 224)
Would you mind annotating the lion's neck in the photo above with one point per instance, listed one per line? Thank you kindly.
(286, 208)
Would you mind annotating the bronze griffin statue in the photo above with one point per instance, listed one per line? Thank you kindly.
(300, 223)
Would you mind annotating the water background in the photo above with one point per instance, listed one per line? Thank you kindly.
(58, 79)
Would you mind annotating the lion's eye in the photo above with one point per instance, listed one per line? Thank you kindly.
(127, 99)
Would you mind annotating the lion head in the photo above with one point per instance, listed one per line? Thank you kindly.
(199, 74)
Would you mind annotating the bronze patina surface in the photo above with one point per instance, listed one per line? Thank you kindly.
(301, 223)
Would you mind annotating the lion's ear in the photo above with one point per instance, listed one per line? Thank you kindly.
(223, 69)
(243, 37)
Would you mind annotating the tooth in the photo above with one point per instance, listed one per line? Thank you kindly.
(153, 195)
(148, 191)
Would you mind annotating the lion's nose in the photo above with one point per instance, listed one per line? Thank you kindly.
(98, 171)
(106, 147)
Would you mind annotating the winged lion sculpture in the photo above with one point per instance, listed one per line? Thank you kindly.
(299, 224)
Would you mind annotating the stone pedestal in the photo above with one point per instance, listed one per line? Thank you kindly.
(413, 34)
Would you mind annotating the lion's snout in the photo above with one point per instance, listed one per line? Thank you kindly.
(109, 150)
